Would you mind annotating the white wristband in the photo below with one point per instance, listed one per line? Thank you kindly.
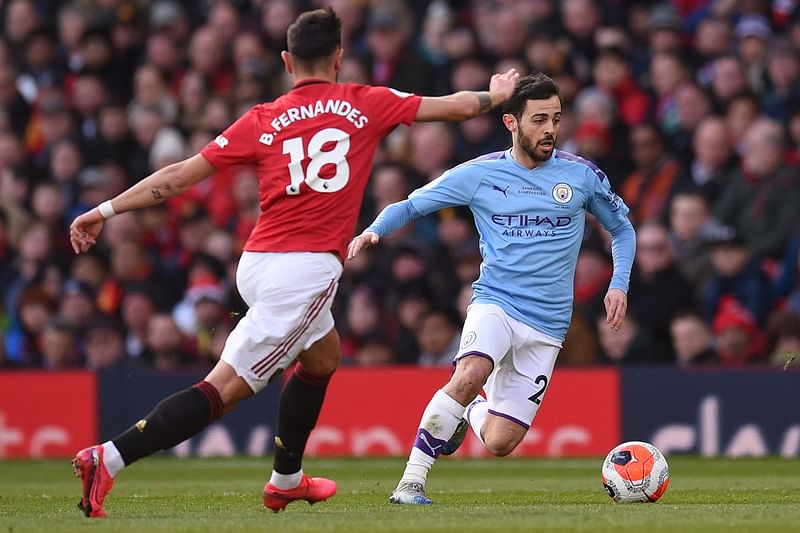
(106, 209)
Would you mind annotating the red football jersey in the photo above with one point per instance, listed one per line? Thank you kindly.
(313, 148)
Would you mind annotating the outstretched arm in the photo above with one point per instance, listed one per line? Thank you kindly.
(623, 249)
(157, 187)
(392, 218)
(465, 105)
(454, 187)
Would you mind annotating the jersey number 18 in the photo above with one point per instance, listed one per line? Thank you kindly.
(318, 159)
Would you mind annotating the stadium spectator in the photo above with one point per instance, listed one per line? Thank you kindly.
(658, 290)
(760, 201)
(432, 149)
(16, 109)
(166, 348)
(713, 39)
(612, 75)
(629, 345)
(393, 58)
(71, 23)
(411, 306)
(207, 58)
(783, 75)
(741, 112)
(692, 340)
(509, 32)
(438, 336)
(737, 337)
(728, 80)
(691, 226)
(783, 336)
(667, 73)
(65, 163)
(598, 124)
(648, 188)
(580, 345)
(104, 344)
(89, 94)
(580, 18)
(201, 312)
(58, 346)
(390, 183)
(364, 319)
(753, 33)
(374, 351)
(32, 311)
(137, 308)
(542, 52)
(738, 276)
(151, 91)
(48, 206)
(713, 166)
(21, 19)
(77, 304)
(41, 67)
(275, 20)
(692, 105)
(593, 272)
(35, 254)
(665, 29)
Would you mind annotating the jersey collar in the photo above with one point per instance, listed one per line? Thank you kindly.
(309, 81)
(510, 157)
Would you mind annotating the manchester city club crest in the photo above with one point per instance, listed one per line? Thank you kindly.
(562, 193)
(468, 339)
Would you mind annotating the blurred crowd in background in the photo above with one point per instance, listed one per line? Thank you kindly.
(692, 108)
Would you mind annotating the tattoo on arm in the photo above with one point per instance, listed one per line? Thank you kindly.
(485, 102)
(156, 194)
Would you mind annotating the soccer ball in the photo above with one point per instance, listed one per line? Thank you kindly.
(635, 472)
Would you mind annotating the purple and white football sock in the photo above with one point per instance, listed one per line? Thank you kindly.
(438, 423)
(475, 414)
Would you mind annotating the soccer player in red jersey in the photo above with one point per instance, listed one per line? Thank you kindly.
(313, 148)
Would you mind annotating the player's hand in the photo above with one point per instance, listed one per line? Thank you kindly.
(502, 85)
(616, 302)
(84, 230)
(364, 240)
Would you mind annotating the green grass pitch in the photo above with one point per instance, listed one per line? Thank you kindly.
(214, 495)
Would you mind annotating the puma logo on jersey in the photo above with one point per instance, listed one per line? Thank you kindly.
(504, 191)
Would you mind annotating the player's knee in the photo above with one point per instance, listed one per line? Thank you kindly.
(231, 388)
(473, 370)
(323, 357)
(499, 446)
(467, 381)
(321, 366)
(321, 362)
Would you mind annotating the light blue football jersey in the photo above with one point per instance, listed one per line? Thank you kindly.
(531, 224)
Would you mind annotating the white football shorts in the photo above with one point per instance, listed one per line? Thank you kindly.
(289, 295)
(523, 361)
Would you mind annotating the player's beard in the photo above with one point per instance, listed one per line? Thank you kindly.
(534, 150)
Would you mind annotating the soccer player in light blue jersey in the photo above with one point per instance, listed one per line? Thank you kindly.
(529, 205)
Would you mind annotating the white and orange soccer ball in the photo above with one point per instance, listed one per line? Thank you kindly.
(635, 472)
